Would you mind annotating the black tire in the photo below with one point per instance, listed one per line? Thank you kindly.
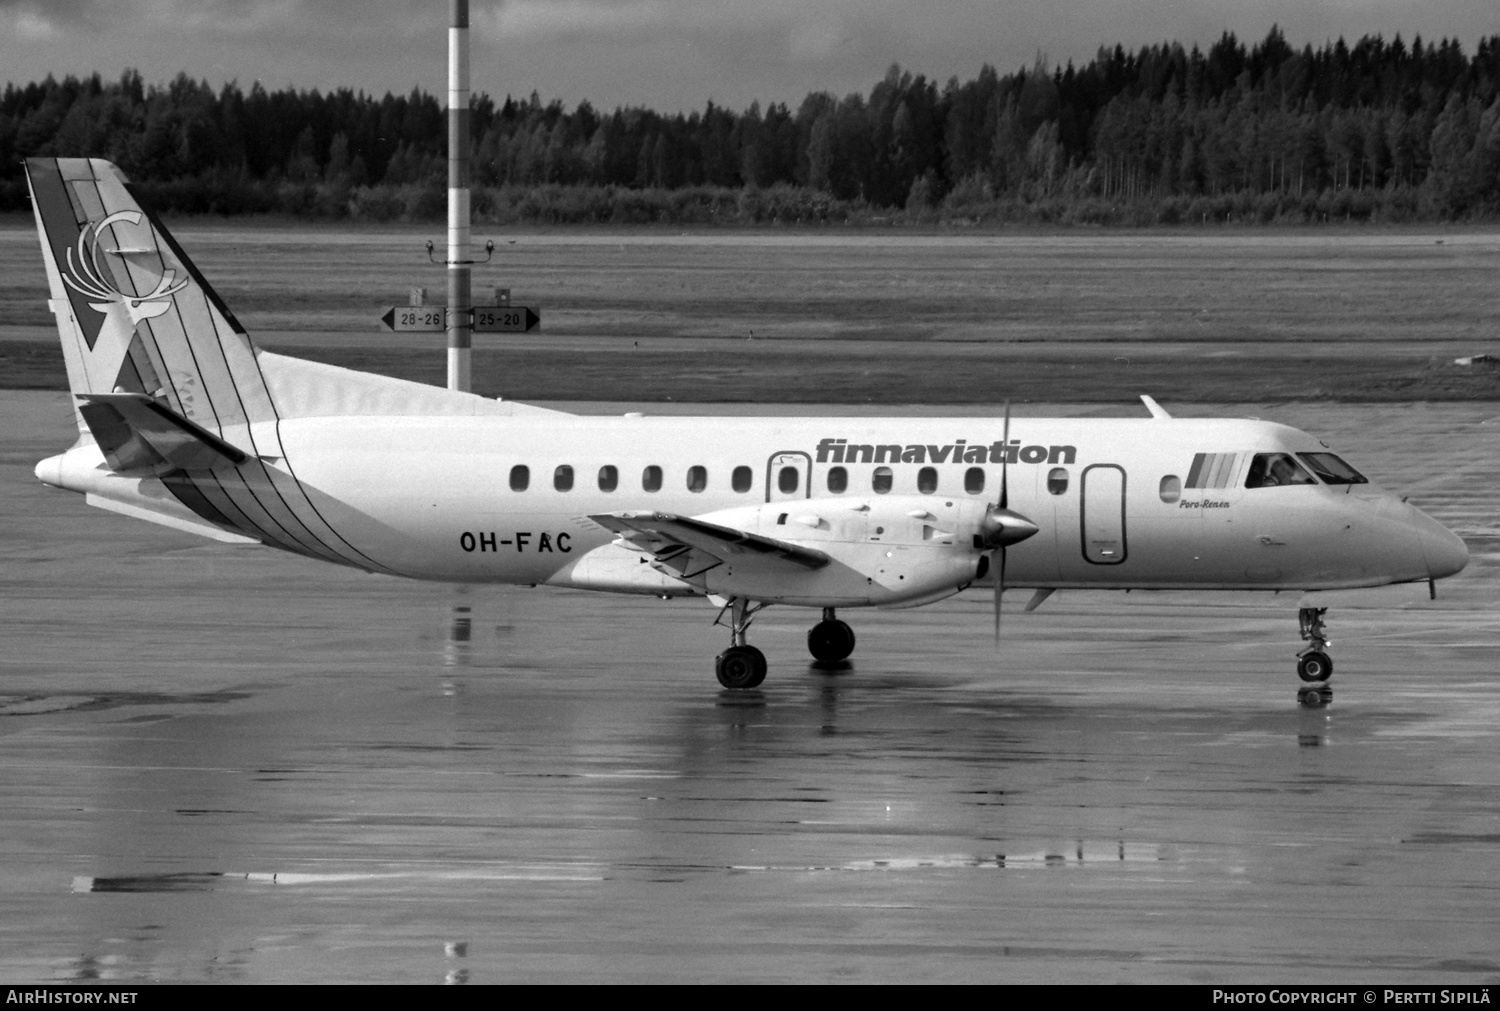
(1315, 668)
(830, 641)
(740, 667)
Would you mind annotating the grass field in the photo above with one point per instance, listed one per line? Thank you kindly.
(865, 317)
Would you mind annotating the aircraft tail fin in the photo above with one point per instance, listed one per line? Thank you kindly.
(134, 314)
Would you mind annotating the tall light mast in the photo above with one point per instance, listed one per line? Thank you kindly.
(461, 317)
(460, 322)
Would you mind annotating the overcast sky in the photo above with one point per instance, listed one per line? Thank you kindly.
(669, 55)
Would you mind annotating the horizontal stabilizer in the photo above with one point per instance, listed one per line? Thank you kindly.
(659, 532)
(138, 434)
(188, 524)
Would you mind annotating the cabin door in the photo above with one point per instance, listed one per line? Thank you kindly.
(788, 476)
(1102, 514)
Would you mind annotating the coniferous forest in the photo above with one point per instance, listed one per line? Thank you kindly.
(1375, 131)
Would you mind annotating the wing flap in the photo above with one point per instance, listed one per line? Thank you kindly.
(685, 544)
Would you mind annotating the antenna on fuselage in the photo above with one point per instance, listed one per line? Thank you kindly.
(1157, 411)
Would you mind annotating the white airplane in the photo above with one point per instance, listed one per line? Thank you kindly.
(184, 422)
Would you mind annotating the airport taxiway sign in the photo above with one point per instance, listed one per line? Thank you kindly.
(487, 318)
(418, 317)
(505, 318)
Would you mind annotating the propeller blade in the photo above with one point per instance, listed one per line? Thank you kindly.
(999, 555)
(1005, 461)
(1001, 526)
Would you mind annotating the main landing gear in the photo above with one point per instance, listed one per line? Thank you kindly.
(741, 665)
(830, 640)
(1314, 666)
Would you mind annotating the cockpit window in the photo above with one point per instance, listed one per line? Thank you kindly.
(1269, 470)
(1331, 469)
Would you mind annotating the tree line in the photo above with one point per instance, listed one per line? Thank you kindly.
(1374, 131)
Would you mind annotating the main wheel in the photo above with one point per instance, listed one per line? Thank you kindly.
(830, 641)
(1315, 667)
(740, 667)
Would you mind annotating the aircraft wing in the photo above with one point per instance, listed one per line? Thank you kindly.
(690, 547)
(138, 434)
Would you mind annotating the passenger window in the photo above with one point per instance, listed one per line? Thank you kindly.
(697, 478)
(609, 478)
(1057, 480)
(838, 480)
(740, 479)
(520, 477)
(651, 478)
(1270, 470)
(1171, 488)
(927, 480)
(882, 482)
(788, 479)
(974, 480)
(1331, 469)
(562, 478)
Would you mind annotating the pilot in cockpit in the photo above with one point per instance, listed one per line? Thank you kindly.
(1269, 470)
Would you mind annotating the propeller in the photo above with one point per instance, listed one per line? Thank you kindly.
(1001, 527)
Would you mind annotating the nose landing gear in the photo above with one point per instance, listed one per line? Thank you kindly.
(741, 665)
(1313, 663)
(1314, 666)
(830, 640)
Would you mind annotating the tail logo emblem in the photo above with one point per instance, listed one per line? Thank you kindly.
(89, 278)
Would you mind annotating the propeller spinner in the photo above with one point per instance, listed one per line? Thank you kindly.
(1001, 527)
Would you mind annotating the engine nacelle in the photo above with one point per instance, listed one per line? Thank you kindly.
(886, 549)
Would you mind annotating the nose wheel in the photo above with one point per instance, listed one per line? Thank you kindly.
(1313, 663)
(741, 665)
(1314, 666)
(830, 640)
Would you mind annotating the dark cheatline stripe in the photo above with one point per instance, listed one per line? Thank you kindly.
(342, 551)
(199, 498)
(1197, 471)
(257, 506)
(129, 378)
(62, 233)
(260, 492)
(369, 562)
(242, 518)
(186, 492)
(266, 494)
(187, 264)
(260, 483)
(250, 496)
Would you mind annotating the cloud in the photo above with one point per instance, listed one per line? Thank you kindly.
(31, 27)
(62, 10)
(798, 25)
(666, 54)
(531, 19)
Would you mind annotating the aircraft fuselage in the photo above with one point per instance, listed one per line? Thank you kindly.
(893, 501)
